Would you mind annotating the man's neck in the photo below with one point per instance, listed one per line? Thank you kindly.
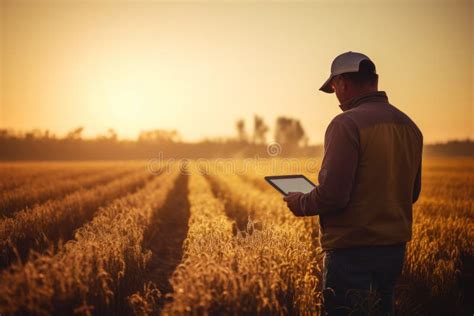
(361, 96)
(365, 91)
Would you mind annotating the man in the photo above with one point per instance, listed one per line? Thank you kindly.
(369, 178)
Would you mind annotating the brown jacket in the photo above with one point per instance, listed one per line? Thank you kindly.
(370, 175)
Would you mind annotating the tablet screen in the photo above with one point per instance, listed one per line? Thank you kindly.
(296, 183)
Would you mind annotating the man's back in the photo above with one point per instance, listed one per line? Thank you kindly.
(379, 210)
(370, 175)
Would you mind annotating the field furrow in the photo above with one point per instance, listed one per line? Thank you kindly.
(170, 224)
(205, 281)
(43, 225)
(95, 272)
(164, 239)
(217, 275)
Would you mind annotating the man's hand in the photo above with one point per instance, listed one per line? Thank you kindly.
(293, 202)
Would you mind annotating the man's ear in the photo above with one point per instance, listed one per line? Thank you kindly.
(333, 82)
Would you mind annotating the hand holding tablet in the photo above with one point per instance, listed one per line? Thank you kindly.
(291, 183)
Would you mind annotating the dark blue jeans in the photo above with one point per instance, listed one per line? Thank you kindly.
(361, 281)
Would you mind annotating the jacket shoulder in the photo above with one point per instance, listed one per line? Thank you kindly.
(344, 119)
(405, 118)
(342, 125)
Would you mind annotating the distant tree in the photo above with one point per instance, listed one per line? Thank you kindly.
(241, 133)
(75, 134)
(159, 136)
(112, 134)
(8, 134)
(4, 133)
(35, 134)
(260, 130)
(289, 133)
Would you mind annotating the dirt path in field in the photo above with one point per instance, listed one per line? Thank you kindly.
(166, 234)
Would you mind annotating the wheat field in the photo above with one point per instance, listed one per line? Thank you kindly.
(205, 238)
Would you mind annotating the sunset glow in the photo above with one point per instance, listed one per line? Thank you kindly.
(198, 67)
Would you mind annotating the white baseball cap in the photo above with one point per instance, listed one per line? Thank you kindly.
(346, 62)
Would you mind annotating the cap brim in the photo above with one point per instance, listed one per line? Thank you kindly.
(326, 87)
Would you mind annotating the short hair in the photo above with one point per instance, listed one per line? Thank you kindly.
(365, 76)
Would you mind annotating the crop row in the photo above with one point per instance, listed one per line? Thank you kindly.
(95, 271)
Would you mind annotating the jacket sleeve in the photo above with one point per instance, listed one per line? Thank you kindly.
(417, 186)
(338, 170)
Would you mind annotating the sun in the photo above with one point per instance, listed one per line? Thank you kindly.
(124, 106)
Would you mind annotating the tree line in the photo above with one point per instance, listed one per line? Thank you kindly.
(288, 132)
(248, 141)
(39, 144)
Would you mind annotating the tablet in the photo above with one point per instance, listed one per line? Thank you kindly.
(291, 183)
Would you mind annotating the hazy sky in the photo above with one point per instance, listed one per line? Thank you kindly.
(197, 67)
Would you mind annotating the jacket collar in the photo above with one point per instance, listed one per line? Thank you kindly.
(376, 96)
